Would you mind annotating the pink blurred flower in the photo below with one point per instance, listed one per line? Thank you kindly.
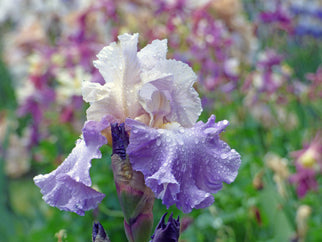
(308, 162)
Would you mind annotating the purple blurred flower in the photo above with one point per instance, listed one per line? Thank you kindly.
(270, 77)
(69, 186)
(279, 16)
(304, 179)
(167, 232)
(307, 18)
(35, 105)
(183, 166)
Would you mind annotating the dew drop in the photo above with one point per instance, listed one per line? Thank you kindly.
(223, 156)
(180, 142)
(158, 142)
(135, 131)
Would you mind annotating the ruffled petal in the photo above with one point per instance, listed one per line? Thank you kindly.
(135, 85)
(185, 104)
(183, 166)
(119, 66)
(155, 98)
(104, 100)
(68, 187)
(151, 54)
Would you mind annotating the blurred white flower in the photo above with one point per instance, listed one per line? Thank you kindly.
(70, 83)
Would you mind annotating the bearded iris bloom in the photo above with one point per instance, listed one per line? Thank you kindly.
(183, 161)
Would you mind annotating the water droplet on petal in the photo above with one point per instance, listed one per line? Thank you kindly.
(223, 156)
(180, 142)
(225, 122)
(158, 142)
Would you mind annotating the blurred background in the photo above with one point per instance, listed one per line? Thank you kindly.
(259, 65)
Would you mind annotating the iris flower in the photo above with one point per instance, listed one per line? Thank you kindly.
(183, 161)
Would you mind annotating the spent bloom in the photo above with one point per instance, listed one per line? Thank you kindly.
(183, 161)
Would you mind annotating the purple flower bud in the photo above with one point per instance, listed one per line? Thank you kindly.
(167, 232)
(99, 234)
(120, 139)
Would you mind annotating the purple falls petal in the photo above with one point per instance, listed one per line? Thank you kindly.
(68, 187)
(183, 166)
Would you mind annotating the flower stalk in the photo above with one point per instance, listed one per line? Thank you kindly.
(136, 199)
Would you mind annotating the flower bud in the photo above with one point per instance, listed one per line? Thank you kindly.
(167, 232)
(99, 234)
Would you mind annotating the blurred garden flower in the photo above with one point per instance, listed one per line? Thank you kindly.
(304, 179)
(241, 31)
(182, 161)
(271, 74)
(277, 13)
(302, 214)
(51, 81)
(308, 162)
(61, 235)
(311, 155)
(17, 155)
(70, 82)
(308, 17)
(208, 34)
(267, 85)
(258, 180)
(13, 148)
(279, 167)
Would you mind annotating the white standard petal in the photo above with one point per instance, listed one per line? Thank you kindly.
(151, 54)
(103, 99)
(119, 65)
(185, 103)
(155, 98)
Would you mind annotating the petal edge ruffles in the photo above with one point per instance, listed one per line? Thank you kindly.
(183, 166)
